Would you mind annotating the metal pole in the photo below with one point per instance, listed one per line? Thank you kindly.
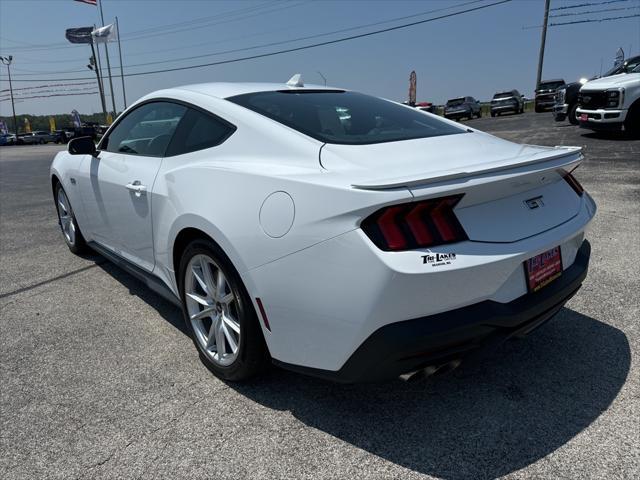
(323, 77)
(543, 40)
(7, 62)
(101, 76)
(106, 50)
(124, 93)
(95, 67)
(13, 107)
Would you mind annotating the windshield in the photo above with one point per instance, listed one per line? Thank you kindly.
(502, 95)
(454, 102)
(551, 85)
(630, 66)
(345, 117)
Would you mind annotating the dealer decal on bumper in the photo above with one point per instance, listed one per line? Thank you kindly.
(439, 259)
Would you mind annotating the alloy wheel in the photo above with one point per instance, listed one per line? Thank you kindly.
(65, 216)
(212, 308)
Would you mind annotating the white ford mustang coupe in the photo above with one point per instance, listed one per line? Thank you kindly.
(330, 232)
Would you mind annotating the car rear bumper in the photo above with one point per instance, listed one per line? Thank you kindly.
(505, 108)
(457, 114)
(323, 302)
(406, 346)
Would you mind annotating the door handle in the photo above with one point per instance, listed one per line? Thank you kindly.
(137, 188)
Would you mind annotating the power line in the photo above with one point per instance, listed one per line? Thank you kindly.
(271, 44)
(296, 49)
(591, 4)
(594, 20)
(136, 36)
(49, 96)
(593, 11)
(48, 86)
(39, 91)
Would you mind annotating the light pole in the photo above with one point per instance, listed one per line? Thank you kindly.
(7, 61)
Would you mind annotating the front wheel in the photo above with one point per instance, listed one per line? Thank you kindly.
(219, 314)
(573, 119)
(68, 224)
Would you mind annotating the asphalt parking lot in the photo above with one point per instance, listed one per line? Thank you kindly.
(99, 380)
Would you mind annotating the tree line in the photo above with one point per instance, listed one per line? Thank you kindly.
(41, 122)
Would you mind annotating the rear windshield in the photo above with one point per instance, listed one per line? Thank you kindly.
(503, 95)
(455, 101)
(345, 117)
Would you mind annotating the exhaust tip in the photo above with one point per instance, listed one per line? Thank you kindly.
(430, 371)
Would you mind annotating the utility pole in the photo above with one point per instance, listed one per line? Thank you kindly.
(124, 93)
(543, 40)
(93, 65)
(7, 61)
(323, 77)
(106, 49)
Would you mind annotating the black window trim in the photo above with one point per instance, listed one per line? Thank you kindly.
(232, 127)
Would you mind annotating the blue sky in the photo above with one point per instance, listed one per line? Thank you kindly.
(474, 54)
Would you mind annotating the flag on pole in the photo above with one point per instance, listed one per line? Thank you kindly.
(104, 34)
(89, 2)
(75, 117)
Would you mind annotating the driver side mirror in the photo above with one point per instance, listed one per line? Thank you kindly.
(82, 146)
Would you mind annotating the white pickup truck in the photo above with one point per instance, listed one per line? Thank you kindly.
(611, 103)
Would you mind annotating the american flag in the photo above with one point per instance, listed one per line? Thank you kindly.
(90, 2)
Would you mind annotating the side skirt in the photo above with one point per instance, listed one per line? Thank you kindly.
(147, 278)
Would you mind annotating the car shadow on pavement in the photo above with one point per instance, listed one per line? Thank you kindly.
(611, 136)
(165, 309)
(484, 420)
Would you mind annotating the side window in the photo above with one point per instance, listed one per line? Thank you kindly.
(198, 131)
(147, 130)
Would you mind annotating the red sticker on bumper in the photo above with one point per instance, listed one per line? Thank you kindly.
(543, 269)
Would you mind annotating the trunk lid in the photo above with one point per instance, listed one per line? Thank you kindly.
(511, 191)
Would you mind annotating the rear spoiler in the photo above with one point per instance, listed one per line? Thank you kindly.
(567, 158)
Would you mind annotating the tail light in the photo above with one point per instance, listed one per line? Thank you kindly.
(573, 183)
(415, 225)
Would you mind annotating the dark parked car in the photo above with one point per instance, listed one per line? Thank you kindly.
(546, 94)
(567, 97)
(507, 101)
(463, 107)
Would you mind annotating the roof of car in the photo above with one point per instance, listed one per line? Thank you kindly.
(229, 89)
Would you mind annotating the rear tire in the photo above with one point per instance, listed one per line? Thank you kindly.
(219, 314)
(632, 122)
(68, 224)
